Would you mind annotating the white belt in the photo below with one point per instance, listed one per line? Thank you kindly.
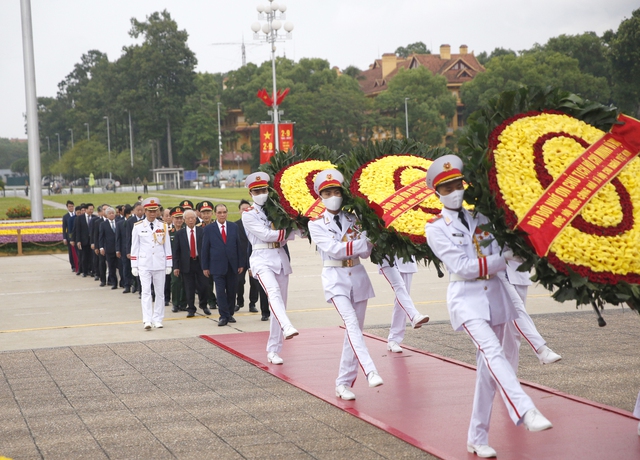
(341, 263)
(266, 246)
(454, 277)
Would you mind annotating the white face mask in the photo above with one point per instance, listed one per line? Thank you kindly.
(332, 204)
(453, 200)
(260, 200)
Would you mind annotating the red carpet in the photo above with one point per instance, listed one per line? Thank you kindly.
(426, 400)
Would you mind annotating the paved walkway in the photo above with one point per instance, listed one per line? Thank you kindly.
(79, 378)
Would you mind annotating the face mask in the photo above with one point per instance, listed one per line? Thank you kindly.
(452, 200)
(260, 200)
(332, 204)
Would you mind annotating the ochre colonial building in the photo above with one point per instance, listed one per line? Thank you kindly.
(456, 68)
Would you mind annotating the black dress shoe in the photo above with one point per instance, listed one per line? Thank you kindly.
(231, 319)
(183, 308)
(103, 284)
(206, 311)
(126, 290)
(115, 286)
(253, 310)
(166, 303)
(134, 290)
(238, 307)
(191, 314)
(84, 275)
(96, 278)
(222, 322)
(174, 309)
(79, 273)
(264, 318)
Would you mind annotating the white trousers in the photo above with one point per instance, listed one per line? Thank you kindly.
(354, 350)
(403, 307)
(152, 313)
(276, 285)
(493, 372)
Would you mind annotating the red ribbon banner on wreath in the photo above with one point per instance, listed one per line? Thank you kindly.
(563, 200)
(404, 199)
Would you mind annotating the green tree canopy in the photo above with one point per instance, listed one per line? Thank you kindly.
(430, 106)
(589, 49)
(412, 48)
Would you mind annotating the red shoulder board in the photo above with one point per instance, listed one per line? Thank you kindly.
(250, 208)
(434, 219)
(316, 218)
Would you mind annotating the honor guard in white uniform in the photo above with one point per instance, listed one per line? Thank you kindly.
(151, 260)
(341, 244)
(523, 326)
(399, 275)
(269, 263)
(478, 303)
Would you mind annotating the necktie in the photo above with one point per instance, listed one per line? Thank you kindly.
(88, 219)
(193, 244)
(151, 224)
(224, 235)
(337, 219)
(113, 226)
(462, 219)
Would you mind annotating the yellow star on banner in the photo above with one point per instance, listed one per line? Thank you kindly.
(267, 135)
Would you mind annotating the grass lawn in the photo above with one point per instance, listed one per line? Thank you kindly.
(168, 198)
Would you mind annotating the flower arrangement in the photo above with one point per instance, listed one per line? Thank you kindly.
(513, 150)
(31, 232)
(19, 212)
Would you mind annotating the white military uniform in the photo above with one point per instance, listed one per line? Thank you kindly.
(270, 266)
(399, 275)
(479, 303)
(151, 255)
(347, 285)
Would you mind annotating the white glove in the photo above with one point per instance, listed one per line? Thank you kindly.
(134, 271)
(509, 255)
(168, 270)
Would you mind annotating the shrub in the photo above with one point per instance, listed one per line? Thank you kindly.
(19, 211)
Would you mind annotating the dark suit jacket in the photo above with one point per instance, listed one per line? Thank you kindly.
(181, 252)
(217, 256)
(107, 237)
(65, 226)
(122, 236)
(94, 230)
(81, 231)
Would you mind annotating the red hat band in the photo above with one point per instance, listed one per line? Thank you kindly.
(446, 176)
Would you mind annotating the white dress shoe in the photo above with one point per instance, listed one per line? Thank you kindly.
(533, 420)
(343, 392)
(289, 332)
(393, 347)
(482, 451)
(158, 325)
(147, 326)
(274, 358)
(374, 379)
(419, 320)
(547, 356)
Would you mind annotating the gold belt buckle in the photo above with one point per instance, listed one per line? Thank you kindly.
(276, 245)
(485, 277)
(347, 263)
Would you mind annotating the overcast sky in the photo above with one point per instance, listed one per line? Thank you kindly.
(344, 32)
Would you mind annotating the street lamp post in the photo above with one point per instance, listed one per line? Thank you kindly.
(108, 145)
(219, 141)
(406, 117)
(88, 134)
(58, 146)
(71, 130)
(48, 145)
(130, 137)
(273, 13)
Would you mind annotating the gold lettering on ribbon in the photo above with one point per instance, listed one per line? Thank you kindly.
(315, 209)
(563, 200)
(404, 199)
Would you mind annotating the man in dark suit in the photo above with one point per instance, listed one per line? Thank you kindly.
(137, 214)
(99, 261)
(244, 244)
(223, 260)
(122, 245)
(82, 240)
(186, 263)
(65, 232)
(107, 239)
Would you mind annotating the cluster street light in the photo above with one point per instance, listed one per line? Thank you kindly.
(273, 14)
(48, 144)
(130, 137)
(219, 141)
(88, 134)
(57, 134)
(108, 145)
(71, 130)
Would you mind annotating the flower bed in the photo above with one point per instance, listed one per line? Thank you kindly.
(31, 232)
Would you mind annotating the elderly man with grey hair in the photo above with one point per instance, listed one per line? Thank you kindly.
(107, 244)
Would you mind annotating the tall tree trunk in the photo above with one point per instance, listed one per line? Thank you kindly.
(153, 155)
(159, 153)
(169, 149)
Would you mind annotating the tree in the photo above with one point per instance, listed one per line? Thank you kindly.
(483, 58)
(624, 56)
(84, 158)
(11, 151)
(430, 107)
(589, 49)
(352, 71)
(413, 48)
(536, 68)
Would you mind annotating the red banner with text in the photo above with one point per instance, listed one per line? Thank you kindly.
(571, 191)
(267, 142)
(286, 136)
